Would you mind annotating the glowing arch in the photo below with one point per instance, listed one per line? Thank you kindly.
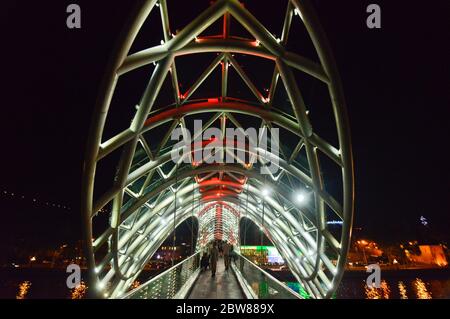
(151, 194)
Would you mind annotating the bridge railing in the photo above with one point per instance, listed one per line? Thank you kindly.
(259, 284)
(173, 283)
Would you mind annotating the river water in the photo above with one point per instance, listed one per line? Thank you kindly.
(400, 284)
(423, 284)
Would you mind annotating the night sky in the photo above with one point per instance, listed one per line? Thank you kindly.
(396, 81)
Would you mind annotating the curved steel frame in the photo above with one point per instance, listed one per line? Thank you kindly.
(146, 201)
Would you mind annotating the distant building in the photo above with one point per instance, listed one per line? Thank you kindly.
(429, 255)
(262, 255)
(166, 253)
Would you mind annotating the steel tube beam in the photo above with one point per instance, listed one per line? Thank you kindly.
(145, 190)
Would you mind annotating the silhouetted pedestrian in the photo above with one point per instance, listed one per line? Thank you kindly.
(220, 247)
(214, 255)
(226, 255)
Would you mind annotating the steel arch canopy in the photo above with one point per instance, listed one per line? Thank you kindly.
(152, 193)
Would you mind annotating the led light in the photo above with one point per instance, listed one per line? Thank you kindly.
(300, 197)
(100, 285)
(298, 13)
(266, 191)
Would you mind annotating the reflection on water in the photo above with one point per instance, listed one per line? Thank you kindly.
(424, 284)
(402, 290)
(421, 289)
(51, 283)
(79, 292)
(24, 287)
(383, 292)
(409, 284)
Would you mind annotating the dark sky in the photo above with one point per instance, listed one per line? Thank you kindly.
(396, 81)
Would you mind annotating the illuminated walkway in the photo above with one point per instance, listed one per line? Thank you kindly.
(223, 286)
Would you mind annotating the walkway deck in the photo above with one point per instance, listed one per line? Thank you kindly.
(223, 286)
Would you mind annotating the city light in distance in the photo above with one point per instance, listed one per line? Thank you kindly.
(35, 200)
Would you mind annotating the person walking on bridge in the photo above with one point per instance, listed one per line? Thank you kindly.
(226, 255)
(214, 255)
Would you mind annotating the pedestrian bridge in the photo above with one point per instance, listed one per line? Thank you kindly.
(243, 280)
(229, 69)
